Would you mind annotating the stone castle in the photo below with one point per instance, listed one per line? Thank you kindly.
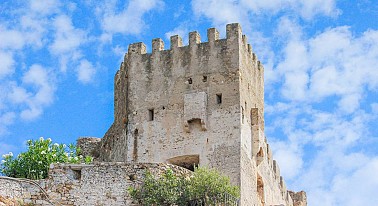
(200, 104)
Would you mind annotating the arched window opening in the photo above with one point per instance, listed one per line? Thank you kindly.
(185, 161)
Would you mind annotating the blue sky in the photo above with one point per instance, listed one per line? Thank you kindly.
(58, 59)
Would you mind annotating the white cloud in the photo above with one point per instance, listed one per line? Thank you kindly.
(182, 31)
(239, 11)
(332, 141)
(6, 64)
(67, 41)
(310, 8)
(363, 182)
(42, 81)
(67, 37)
(11, 39)
(290, 160)
(44, 7)
(221, 12)
(85, 71)
(129, 20)
(18, 94)
(6, 148)
(332, 63)
(6, 119)
(374, 108)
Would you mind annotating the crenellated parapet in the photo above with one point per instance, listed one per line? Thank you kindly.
(234, 38)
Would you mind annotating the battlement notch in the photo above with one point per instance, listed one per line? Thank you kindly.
(157, 45)
(212, 34)
(137, 48)
(176, 41)
(233, 31)
(194, 38)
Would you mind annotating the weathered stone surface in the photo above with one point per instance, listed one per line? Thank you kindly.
(88, 145)
(299, 198)
(98, 184)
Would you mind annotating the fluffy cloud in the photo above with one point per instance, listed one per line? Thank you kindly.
(181, 30)
(240, 10)
(42, 82)
(67, 37)
(67, 41)
(45, 7)
(333, 63)
(232, 11)
(5, 120)
(322, 146)
(85, 71)
(129, 19)
(7, 64)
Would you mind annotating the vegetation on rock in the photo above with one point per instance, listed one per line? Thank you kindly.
(35, 162)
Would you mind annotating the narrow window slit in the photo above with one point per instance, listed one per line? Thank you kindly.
(219, 98)
(190, 81)
(150, 115)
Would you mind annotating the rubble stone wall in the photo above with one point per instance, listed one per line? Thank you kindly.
(71, 184)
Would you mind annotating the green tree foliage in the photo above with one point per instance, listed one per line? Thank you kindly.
(169, 189)
(165, 190)
(207, 183)
(35, 162)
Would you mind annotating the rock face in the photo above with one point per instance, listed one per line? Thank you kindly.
(200, 104)
(299, 198)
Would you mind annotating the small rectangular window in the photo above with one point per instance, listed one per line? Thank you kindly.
(150, 115)
(219, 98)
(204, 78)
(190, 81)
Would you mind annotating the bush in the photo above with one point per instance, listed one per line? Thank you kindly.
(165, 190)
(35, 162)
(207, 185)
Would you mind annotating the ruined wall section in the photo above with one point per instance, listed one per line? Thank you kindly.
(73, 184)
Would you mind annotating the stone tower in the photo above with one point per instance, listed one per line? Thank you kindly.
(200, 104)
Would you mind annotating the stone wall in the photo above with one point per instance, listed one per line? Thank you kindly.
(88, 145)
(72, 184)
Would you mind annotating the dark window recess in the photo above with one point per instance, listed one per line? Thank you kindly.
(190, 81)
(204, 79)
(242, 114)
(150, 115)
(77, 174)
(219, 98)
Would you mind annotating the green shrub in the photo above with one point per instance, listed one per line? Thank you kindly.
(165, 190)
(169, 189)
(35, 162)
(208, 183)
